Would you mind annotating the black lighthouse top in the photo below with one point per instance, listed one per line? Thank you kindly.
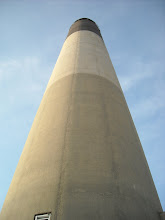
(84, 24)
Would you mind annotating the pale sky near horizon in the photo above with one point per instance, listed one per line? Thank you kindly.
(31, 36)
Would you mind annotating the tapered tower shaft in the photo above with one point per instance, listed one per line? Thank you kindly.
(83, 159)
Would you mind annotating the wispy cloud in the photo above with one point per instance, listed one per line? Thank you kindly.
(150, 105)
(139, 71)
(24, 75)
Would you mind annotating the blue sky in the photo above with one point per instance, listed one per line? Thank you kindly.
(32, 35)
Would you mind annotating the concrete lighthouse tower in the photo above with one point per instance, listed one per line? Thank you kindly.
(83, 159)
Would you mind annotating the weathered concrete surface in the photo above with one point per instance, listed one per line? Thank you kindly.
(162, 215)
(84, 52)
(83, 159)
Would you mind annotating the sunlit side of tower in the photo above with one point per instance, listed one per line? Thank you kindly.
(83, 159)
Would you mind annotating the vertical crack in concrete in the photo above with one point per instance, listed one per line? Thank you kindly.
(58, 208)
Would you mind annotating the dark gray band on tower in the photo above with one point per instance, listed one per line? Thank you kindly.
(84, 24)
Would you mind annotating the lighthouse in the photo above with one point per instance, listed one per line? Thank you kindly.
(83, 159)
